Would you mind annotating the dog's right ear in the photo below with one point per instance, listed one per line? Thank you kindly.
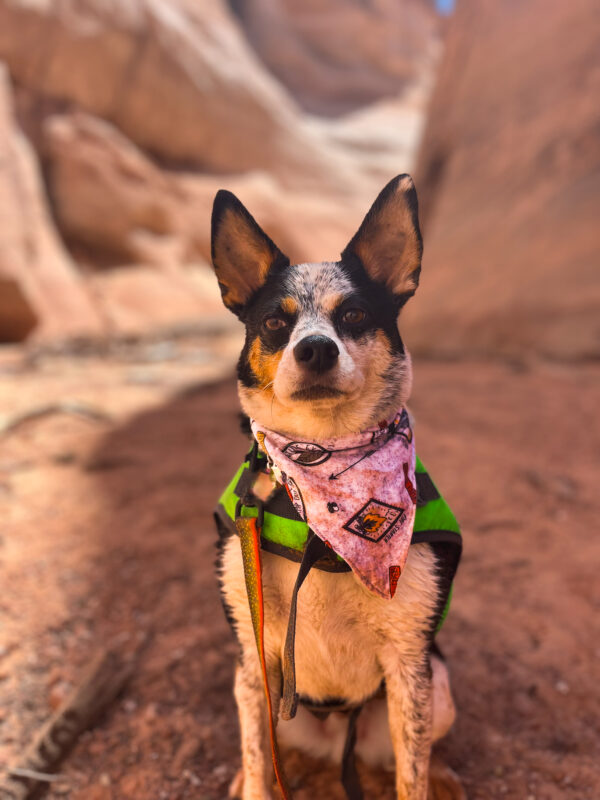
(242, 253)
(388, 243)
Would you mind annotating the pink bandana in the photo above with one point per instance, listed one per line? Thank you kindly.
(356, 493)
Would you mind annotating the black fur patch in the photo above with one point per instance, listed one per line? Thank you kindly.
(263, 303)
(380, 303)
(223, 535)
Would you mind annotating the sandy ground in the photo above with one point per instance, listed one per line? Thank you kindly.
(106, 539)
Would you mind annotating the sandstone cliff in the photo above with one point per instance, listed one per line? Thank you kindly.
(132, 115)
(509, 184)
(343, 54)
(40, 287)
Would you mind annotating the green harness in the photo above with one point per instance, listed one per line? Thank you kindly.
(284, 533)
(274, 526)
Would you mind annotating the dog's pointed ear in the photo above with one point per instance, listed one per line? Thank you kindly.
(242, 253)
(388, 243)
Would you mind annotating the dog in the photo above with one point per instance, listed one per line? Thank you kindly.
(323, 360)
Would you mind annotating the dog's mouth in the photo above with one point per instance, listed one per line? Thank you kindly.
(316, 392)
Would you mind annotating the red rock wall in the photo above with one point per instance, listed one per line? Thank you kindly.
(106, 93)
(133, 115)
(509, 183)
(336, 56)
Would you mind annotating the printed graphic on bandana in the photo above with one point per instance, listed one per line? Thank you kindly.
(355, 492)
(406, 434)
(376, 521)
(295, 496)
(308, 454)
(380, 436)
(402, 427)
(394, 578)
(409, 484)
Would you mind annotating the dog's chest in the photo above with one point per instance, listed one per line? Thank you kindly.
(337, 638)
(341, 628)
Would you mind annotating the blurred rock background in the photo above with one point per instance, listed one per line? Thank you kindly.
(119, 120)
(509, 181)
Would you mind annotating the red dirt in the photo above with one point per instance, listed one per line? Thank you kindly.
(107, 539)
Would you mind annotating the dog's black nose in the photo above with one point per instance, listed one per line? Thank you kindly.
(316, 353)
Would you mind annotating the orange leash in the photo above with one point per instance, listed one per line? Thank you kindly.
(249, 529)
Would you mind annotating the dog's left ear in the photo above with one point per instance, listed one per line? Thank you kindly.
(388, 243)
(242, 253)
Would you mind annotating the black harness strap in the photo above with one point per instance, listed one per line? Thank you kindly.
(350, 779)
(426, 489)
(314, 550)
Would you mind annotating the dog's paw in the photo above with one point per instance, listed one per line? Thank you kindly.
(444, 783)
(236, 787)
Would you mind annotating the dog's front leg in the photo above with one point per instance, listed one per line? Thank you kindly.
(257, 765)
(410, 713)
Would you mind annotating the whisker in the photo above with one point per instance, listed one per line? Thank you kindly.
(268, 386)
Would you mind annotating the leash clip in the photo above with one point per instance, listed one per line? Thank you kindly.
(249, 500)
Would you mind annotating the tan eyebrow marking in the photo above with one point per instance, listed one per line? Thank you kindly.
(289, 305)
(331, 301)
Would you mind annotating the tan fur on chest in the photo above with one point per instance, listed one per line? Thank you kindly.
(341, 628)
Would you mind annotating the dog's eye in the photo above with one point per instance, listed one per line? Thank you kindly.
(274, 323)
(354, 316)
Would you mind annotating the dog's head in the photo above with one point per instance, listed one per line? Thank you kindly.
(323, 355)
